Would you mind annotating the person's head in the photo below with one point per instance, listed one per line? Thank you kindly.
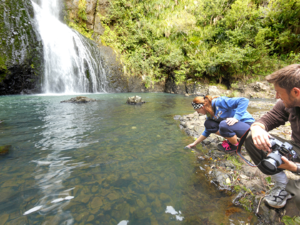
(287, 84)
(203, 104)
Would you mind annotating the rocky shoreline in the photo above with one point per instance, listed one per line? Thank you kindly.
(230, 174)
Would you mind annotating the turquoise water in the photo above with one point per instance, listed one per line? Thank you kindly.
(104, 162)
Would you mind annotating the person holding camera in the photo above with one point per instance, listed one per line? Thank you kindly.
(286, 82)
(227, 117)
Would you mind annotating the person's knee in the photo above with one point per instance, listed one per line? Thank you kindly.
(211, 126)
(224, 129)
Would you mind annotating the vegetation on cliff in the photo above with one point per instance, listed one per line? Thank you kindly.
(20, 48)
(214, 40)
(79, 19)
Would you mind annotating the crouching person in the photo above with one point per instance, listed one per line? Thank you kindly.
(287, 86)
(227, 117)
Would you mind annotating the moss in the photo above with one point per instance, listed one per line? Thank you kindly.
(78, 21)
(247, 203)
(3, 69)
(81, 9)
(235, 161)
(81, 28)
(20, 49)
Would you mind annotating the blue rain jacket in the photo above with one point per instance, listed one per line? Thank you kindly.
(225, 107)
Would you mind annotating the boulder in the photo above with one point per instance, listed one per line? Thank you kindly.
(135, 100)
(79, 99)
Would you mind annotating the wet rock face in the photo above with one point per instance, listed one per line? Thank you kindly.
(117, 82)
(94, 8)
(21, 53)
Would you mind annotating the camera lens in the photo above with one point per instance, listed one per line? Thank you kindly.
(270, 164)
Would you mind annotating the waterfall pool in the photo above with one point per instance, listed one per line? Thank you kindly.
(104, 162)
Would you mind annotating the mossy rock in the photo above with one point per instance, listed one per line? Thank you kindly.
(21, 50)
(5, 149)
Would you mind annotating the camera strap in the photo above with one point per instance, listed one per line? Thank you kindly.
(238, 151)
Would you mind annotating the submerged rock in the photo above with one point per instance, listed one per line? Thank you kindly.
(4, 150)
(135, 100)
(79, 99)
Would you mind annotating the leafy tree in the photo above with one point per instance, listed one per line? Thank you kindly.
(216, 40)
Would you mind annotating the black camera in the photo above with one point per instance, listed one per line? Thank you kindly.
(279, 149)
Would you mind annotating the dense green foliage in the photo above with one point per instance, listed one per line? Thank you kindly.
(214, 40)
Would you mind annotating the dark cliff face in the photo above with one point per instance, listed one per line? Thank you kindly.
(21, 51)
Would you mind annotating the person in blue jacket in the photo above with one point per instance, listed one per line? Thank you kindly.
(225, 116)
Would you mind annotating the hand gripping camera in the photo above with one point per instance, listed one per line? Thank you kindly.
(279, 149)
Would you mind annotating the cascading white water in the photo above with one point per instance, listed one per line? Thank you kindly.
(72, 63)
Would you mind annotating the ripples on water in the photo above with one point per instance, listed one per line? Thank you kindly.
(104, 162)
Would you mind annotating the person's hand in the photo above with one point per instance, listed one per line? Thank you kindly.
(191, 145)
(261, 138)
(231, 121)
(287, 165)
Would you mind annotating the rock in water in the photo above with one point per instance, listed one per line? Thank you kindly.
(79, 99)
(135, 100)
(4, 150)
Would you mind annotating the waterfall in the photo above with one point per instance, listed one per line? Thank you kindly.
(72, 62)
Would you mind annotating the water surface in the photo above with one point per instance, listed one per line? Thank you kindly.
(104, 162)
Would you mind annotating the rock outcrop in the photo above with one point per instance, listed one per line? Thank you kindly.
(79, 99)
(21, 53)
(135, 100)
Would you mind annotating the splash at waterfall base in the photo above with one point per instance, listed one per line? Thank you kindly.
(229, 174)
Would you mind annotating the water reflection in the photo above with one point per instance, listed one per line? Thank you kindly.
(63, 130)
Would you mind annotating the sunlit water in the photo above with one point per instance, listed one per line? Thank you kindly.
(104, 162)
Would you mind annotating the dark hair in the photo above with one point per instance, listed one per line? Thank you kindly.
(287, 77)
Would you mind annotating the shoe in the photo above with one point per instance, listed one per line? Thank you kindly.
(277, 197)
(227, 147)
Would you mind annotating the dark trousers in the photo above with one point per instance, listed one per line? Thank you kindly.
(257, 156)
(237, 129)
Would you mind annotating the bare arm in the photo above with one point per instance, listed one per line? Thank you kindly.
(288, 165)
(199, 139)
